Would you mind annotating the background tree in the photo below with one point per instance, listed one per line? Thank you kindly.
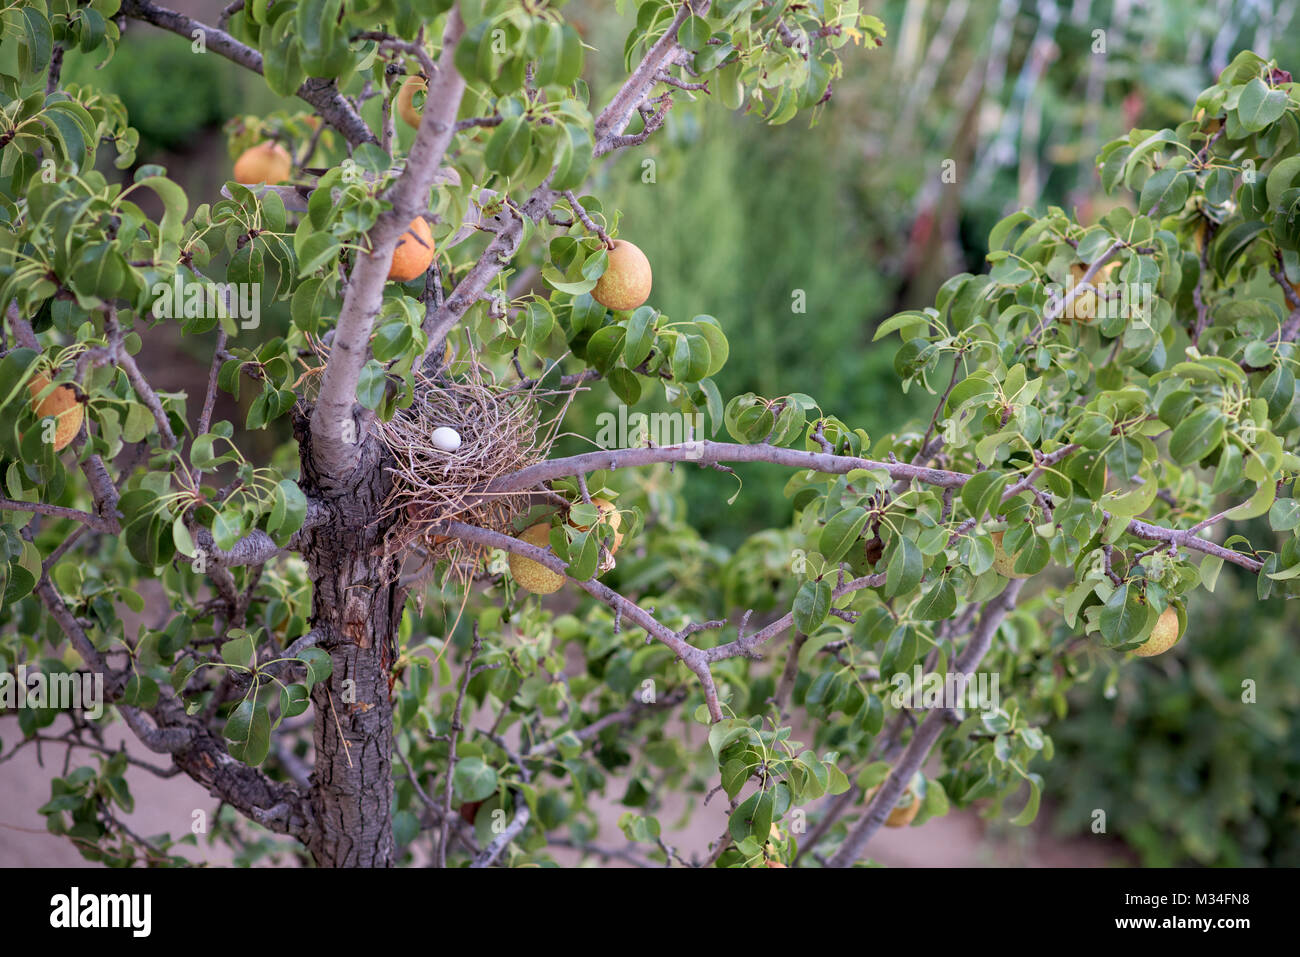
(1054, 436)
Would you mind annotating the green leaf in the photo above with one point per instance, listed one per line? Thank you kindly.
(293, 700)
(812, 603)
(1284, 515)
(693, 33)
(723, 733)
(841, 532)
(1279, 180)
(474, 780)
(584, 556)
(1197, 436)
(1164, 192)
(573, 157)
(1231, 242)
(719, 349)
(1123, 616)
(239, 650)
(625, 385)
(141, 691)
(1259, 503)
(712, 402)
(570, 63)
(585, 313)
(604, 347)
(753, 816)
(248, 732)
(281, 63)
(1278, 390)
(734, 775)
(548, 41)
(691, 359)
(640, 336)
(315, 252)
(181, 537)
(227, 527)
(34, 54)
(596, 264)
(508, 149)
(371, 384)
(288, 511)
(873, 715)
(982, 491)
(1260, 106)
(391, 340)
(904, 569)
(68, 129)
(1026, 816)
(938, 603)
(319, 664)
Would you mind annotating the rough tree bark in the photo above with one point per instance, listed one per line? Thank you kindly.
(356, 608)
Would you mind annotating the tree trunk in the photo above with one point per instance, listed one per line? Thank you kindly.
(356, 608)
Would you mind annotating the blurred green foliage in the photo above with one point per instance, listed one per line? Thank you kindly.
(1186, 770)
(169, 114)
(760, 232)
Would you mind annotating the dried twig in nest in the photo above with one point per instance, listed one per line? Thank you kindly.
(499, 432)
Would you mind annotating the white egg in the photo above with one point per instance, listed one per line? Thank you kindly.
(445, 439)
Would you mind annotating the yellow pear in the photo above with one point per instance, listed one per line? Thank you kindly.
(406, 100)
(904, 810)
(626, 282)
(414, 252)
(531, 575)
(1163, 637)
(1004, 564)
(62, 404)
(264, 163)
(1084, 307)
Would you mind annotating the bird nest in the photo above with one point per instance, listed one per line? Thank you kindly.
(500, 433)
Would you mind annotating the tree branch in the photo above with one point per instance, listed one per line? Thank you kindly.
(615, 117)
(522, 814)
(138, 382)
(744, 645)
(255, 548)
(694, 659)
(194, 748)
(58, 511)
(926, 735)
(709, 453)
(628, 715)
(334, 455)
(1187, 538)
(321, 94)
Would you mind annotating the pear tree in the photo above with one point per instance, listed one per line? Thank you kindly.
(1108, 419)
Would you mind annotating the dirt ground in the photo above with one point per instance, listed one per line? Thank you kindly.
(961, 839)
